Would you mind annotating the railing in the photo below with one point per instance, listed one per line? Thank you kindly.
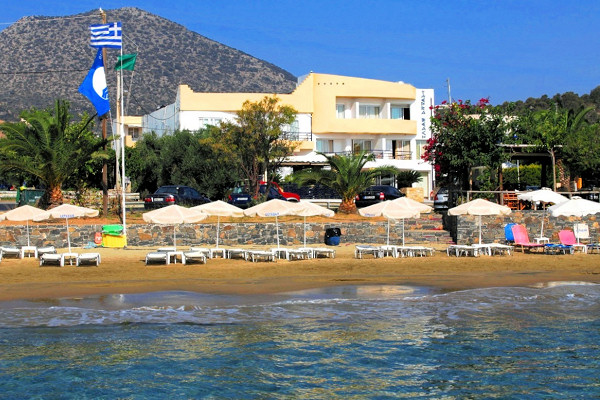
(297, 136)
(379, 154)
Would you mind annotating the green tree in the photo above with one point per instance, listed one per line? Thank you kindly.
(255, 142)
(48, 146)
(347, 176)
(465, 136)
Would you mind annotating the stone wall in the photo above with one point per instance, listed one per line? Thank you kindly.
(428, 229)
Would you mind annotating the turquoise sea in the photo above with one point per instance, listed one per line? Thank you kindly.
(353, 342)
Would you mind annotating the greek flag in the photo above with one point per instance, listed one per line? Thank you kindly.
(106, 35)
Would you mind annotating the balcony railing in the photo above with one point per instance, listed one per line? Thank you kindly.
(379, 154)
(297, 136)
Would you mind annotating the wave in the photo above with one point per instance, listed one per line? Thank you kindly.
(347, 303)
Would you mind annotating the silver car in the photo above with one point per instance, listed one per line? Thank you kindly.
(440, 200)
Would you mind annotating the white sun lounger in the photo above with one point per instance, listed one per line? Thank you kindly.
(10, 251)
(88, 259)
(160, 257)
(193, 256)
(46, 250)
(237, 253)
(257, 255)
(52, 258)
(375, 251)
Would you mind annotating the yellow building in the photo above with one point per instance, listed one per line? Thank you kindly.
(336, 114)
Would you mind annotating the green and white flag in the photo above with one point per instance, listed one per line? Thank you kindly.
(126, 61)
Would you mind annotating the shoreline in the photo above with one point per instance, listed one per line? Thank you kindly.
(122, 271)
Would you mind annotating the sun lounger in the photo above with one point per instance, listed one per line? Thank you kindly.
(460, 250)
(218, 251)
(557, 248)
(258, 255)
(316, 252)
(567, 238)
(88, 259)
(51, 258)
(522, 239)
(237, 253)
(46, 250)
(160, 257)
(498, 248)
(70, 257)
(10, 252)
(29, 251)
(375, 251)
(193, 256)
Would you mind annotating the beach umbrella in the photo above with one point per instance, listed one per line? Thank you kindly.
(393, 209)
(23, 213)
(220, 209)
(273, 208)
(310, 209)
(66, 211)
(479, 207)
(576, 207)
(543, 195)
(174, 215)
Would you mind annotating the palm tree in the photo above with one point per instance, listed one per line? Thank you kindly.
(46, 145)
(347, 176)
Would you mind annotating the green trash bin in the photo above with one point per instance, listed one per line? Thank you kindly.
(29, 196)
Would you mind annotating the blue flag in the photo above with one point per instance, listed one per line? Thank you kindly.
(94, 86)
(106, 35)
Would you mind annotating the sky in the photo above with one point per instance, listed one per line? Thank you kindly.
(503, 50)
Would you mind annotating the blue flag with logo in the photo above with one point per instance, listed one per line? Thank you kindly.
(94, 86)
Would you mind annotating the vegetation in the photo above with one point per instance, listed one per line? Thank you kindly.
(346, 176)
(407, 178)
(48, 147)
(254, 144)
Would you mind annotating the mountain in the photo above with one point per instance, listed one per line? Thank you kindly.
(45, 58)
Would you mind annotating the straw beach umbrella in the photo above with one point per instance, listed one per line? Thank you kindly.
(67, 211)
(273, 208)
(23, 213)
(174, 215)
(480, 207)
(220, 209)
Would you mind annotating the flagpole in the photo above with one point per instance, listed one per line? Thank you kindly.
(104, 163)
(122, 132)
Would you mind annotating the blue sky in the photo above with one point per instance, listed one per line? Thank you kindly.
(505, 50)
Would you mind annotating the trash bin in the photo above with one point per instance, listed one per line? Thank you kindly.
(112, 236)
(332, 236)
(29, 196)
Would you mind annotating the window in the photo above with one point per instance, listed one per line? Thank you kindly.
(340, 110)
(421, 148)
(325, 146)
(399, 112)
(204, 122)
(360, 145)
(369, 111)
(134, 133)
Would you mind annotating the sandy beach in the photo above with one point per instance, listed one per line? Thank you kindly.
(124, 271)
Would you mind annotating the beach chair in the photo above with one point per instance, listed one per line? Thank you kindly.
(508, 234)
(88, 259)
(567, 238)
(51, 258)
(10, 251)
(237, 253)
(29, 251)
(460, 250)
(158, 257)
(522, 239)
(261, 255)
(361, 250)
(193, 257)
(322, 252)
(46, 250)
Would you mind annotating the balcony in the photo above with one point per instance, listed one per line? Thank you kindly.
(379, 154)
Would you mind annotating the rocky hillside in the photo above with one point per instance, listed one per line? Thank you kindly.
(45, 58)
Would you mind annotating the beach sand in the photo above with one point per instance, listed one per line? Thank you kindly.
(124, 271)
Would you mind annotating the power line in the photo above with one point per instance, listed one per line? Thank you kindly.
(43, 72)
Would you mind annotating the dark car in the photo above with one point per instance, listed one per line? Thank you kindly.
(174, 194)
(440, 200)
(240, 195)
(376, 194)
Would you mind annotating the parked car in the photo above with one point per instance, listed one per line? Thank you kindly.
(440, 200)
(175, 194)
(240, 195)
(376, 194)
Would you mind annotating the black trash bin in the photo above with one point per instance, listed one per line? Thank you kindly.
(332, 236)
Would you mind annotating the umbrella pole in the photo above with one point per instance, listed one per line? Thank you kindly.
(174, 238)
(218, 223)
(543, 217)
(28, 233)
(305, 231)
(277, 230)
(388, 233)
(68, 236)
(480, 229)
(402, 232)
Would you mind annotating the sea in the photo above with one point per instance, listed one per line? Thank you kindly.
(349, 342)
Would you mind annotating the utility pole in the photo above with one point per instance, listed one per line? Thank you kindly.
(104, 163)
(449, 95)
